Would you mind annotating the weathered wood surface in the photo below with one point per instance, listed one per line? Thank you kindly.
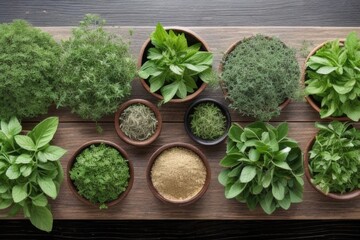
(140, 203)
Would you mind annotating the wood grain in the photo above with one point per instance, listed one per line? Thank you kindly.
(186, 12)
(140, 203)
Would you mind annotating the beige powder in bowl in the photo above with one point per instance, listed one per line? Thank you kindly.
(178, 174)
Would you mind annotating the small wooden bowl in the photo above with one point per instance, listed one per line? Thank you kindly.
(310, 99)
(192, 38)
(128, 140)
(73, 160)
(187, 121)
(335, 196)
(189, 147)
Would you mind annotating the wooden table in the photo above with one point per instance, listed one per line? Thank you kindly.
(140, 203)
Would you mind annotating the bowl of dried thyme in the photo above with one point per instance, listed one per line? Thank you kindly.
(178, 173)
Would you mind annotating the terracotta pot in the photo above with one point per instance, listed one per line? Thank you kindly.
(221, 68)
(314, 104)
(190, 111)
(180, 202)
(73, 159)
(192, 38)
(336, 196)
(125, 138)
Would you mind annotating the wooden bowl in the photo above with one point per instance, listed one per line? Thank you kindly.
(128, 140)
(335, 196)
(179, 202)
(190, 111)
(314, 104)
(72, 162)
(192, 38)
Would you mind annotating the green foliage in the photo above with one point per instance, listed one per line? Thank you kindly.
(138, 122)
(100, 174)
(334, 158)
(333, 78)
(207, 122)
(30, 170)
(173, 67)
(96, 70)
(259, 74)
(263, 166)
(28, 59)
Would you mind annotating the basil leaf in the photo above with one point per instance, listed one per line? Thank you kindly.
(44, 132)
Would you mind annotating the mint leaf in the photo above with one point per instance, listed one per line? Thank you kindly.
(247, 174)
(40, 200)
(169, 91)
(235, 189)
(41, 218)
(13, 172)
(47, 186)
(19, 193)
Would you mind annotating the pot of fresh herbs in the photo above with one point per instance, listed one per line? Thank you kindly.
(262, 166)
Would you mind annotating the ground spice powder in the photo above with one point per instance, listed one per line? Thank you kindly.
(178, 174)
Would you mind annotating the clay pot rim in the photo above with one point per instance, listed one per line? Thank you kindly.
(122, 135)
(178, 202)
(73, 159)
(347, 196)
(189, 111)
(142, 53)
(309, 98)
(221, 66)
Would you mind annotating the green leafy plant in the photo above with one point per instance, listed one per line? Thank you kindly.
(28, 63)
(260, 74)
(96, 70)
(334, 158)
(173, 67)
(100, 174)
(30, 170)
(207, 121)
(263, 166)
(333, 78)
(138, 122)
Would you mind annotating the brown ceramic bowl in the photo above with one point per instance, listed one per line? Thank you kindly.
(192, 38)
(152, 161)
(221, 68)
(314, 104)
(73, 159)
(336, 196)
(128, 140)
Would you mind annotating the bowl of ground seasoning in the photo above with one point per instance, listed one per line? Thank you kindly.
(178, 173)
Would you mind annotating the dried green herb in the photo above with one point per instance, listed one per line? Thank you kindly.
(208, 122)
(138, 122)
(100, 174)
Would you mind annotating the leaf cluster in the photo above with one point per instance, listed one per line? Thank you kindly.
(100, 174)
(259, 74)
(333, 78)
(334, 158)
(96, 70)
(263, 166)
(138, 122)
(207, 121)
(173, 67)
(30, 170)
(28, 60)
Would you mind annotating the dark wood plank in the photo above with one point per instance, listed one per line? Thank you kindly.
(186, 12)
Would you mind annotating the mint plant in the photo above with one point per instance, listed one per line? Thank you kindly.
(173, 67)
(263, 166)
(334, 161)
(30, 170)
(333, 78)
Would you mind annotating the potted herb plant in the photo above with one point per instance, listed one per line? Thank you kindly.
(176, 64)
(262, 166)
(207, 121)
(138, 122)
(178, 174)
(259, 76)
(100, 174)
(30, 170)
(332, 162)
(332, 78)
(28, 67)
(96, 70)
